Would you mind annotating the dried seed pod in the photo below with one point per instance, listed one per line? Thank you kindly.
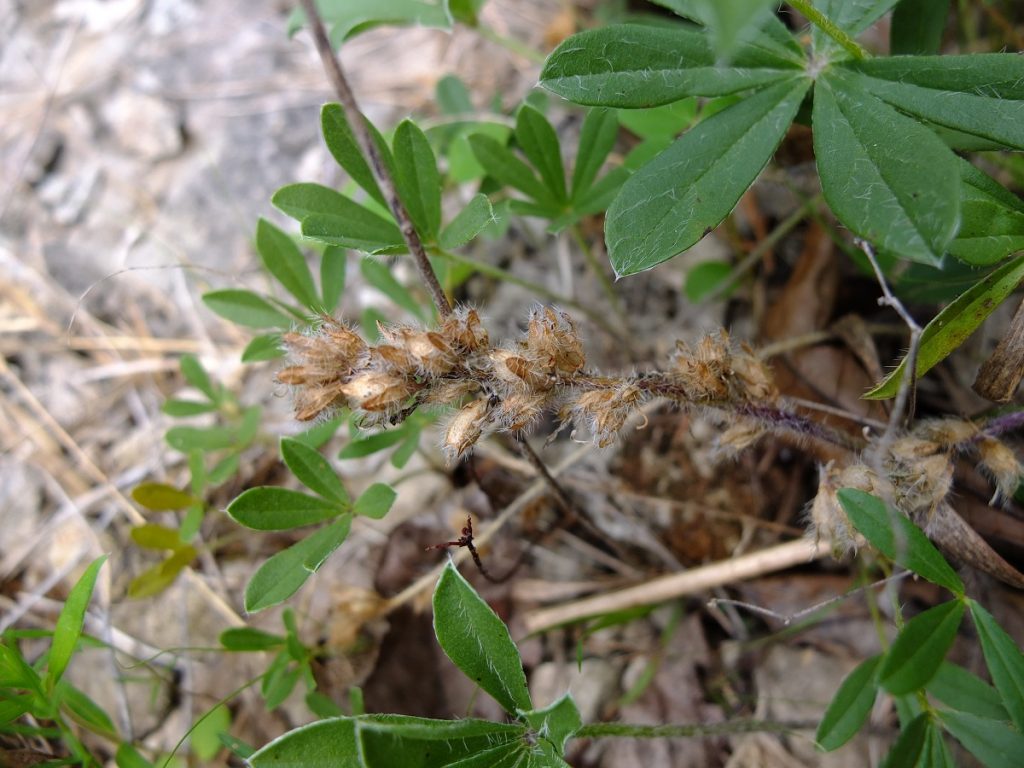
(605, 411)
(754, 377)
(431, 352)
(312, 401)
(826, 516)
(378, 390)
(552, 340)
(946, 432)
(1001, 464)
(703, 371)
(740, 436)
(520, 374)
(463, 330)
(519, 410)
(465, 428)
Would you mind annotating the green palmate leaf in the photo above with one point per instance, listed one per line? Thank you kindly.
(951, 327)
(342, 145)
(1005, 662)
(330, 217)
(992, 224)
(642, 66)
(370, 741)
(285, 261)
(128, 757)
(333, 265)
(477, 641)
(158, 578)
(348, 18)
(417, 179)
(246, 308)
(597, 137)
(888, 178)
(84, 710)
(378, 275)
(196, 375)
(413, 742)
(917, 27)
(915, 656)
(452, 96)
(765, 31)
(556, 723)
(851, 16)
(192, 521)
(910, 745)
(279, 682)
(677, 198)
(539, 143)
(326, 744)
(322, 706)
(378, 442)
(268, 508)
(183, 408)
(995, 744)
(69, 624)
(161, 497)
(187, 439)
(466, 11)
(730, 23)
(964, 691)
(981, 95)
(224, 469)
(850, 707)
(664, 122)
(313, 471)
(705, 278)
(320, 434)
(249, 639)
(469, 223)
(153, 536)
(508, 755)
(282, 575)
(499, 162)
(896, 537)
(375, 501)
(262, 348)
(205, 735)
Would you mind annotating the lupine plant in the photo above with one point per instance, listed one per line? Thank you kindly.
(890, 136)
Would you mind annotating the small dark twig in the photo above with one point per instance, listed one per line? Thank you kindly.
(332, 66)
(466, 540)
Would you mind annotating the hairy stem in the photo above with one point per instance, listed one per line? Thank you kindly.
(332, 66)
(829, 27)
(686, 731)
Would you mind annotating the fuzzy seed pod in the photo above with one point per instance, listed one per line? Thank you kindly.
(604, 411)
(519, 410)
(946, 432)
(703, 371)
(377, 391)
(462, 330)
(740, 436)
(552, 339)
(826, 516)
(465, 429)
(520, 374)
(754, 377)
(1001, 465)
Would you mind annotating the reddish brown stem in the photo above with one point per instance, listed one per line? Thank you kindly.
(332, 66)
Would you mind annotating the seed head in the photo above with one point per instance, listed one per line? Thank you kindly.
(1001, 464)
(465, 429)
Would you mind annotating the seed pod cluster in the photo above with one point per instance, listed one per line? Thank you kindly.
(918, 476)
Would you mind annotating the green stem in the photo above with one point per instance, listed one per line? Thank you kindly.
(830, 28)
(633, 731)
(511, 44)
(595, 266)
(501, 274)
